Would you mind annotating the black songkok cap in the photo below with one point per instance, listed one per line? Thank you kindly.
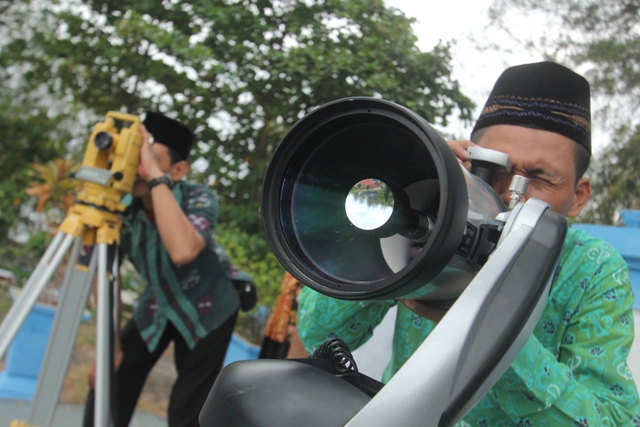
(169, 132)
(543, 95)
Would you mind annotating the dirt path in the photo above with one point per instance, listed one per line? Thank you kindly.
(155, 395)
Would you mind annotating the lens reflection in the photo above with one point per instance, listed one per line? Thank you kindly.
(308, 189)
(332, 242)
(103, 141)
(369, 204)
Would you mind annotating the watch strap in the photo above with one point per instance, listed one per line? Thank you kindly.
(164, 179)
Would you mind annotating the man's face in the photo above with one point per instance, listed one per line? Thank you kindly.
(161, 154)
(546, 158)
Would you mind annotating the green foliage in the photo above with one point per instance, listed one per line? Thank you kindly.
(250, 252)
(238, 73)
(26, 139)
(616, 180)
(12, 197)
(21, 259)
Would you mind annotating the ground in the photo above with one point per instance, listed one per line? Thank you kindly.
(154, 398)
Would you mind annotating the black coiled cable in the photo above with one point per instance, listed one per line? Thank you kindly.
(338, 352)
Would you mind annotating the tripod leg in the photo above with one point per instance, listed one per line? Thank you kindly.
(115, 333)
(31, 291)
(75, 292)
(104, 351)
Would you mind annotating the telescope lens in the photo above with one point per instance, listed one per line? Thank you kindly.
(369, 204)
(346, 196)
(103, 140)
(333, 244)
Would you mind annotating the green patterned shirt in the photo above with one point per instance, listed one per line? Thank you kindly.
(197, 297)
(573, 369)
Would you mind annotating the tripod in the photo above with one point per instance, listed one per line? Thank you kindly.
(108, 172)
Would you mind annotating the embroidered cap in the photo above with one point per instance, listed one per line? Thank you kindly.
(542, 95)
(169, 132)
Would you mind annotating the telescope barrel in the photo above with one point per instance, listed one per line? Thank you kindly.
(370, 157)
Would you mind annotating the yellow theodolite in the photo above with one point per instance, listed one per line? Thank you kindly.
(107, 173)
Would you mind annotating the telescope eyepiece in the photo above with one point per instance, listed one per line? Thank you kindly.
(103, 140)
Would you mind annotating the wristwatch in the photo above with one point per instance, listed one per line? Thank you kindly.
(164, 179)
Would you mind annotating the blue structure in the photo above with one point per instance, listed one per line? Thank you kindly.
(626, 240)
(240, 349)
(25, 354)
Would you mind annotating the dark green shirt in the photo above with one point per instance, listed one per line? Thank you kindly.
(196, 298)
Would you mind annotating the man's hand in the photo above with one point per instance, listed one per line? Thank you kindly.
(148, 168)
(422, 309)
(459, 148)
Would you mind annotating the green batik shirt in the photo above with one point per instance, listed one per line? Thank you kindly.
(571, 372)
(196, 298)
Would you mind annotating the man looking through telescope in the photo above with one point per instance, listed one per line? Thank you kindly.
(572, 370)
(189, 298)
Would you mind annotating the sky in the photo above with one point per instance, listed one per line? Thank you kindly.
(465, 22)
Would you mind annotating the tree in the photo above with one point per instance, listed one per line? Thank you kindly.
(238, 72)
(27, 136)
(616, 185)
(602, 40)
(600, 37)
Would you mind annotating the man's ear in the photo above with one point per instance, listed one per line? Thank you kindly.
(179, 170)
(580, 197)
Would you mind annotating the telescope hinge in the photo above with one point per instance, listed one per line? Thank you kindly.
(478, 244)
(468, 241)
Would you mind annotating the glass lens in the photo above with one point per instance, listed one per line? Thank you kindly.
(103, 140)
(346, 164)
(369, 204)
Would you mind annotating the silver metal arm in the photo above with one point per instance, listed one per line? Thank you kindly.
(421, 392)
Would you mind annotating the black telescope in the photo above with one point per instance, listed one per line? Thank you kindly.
(364, 200)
